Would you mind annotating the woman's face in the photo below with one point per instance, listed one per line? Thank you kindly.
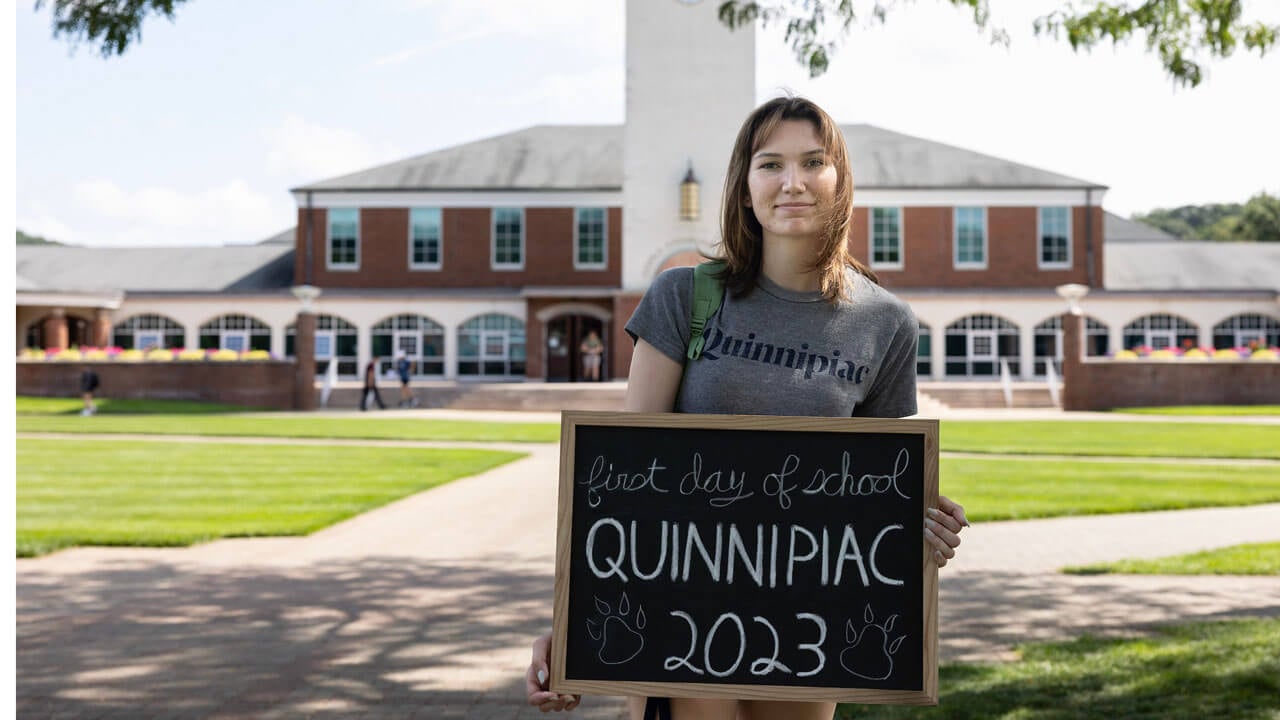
(792, 182)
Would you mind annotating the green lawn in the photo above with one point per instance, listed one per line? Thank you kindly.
(1254, 559)
(358, 428)
(1014, 488)
(1049, 437)
(1135, 439)
(1223, 671)
(1205, 410)
(108, 406)
(98, 492)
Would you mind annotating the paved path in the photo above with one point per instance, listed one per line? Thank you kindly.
(419, 610)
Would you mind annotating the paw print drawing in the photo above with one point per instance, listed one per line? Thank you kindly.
(617, 632)
(870, 653)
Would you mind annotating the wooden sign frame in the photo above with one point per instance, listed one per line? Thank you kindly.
(570, 421)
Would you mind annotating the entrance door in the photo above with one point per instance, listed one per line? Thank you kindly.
(493, 352)
(564, 338)
(1161, 339)
(982, 351)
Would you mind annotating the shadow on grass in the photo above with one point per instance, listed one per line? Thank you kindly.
(370, 638)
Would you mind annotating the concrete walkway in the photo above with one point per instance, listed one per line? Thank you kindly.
(426, 607)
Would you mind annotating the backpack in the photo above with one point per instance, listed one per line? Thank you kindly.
(708, 291)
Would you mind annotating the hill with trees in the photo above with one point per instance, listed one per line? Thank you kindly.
(25, 239)
(1258, 220)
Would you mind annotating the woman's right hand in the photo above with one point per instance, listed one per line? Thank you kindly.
(536, 680)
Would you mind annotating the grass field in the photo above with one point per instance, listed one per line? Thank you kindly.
(1253, 559)
(1224, 671)
(1225, 410)
(100, 492)
(1136, 439)
(1011, 488)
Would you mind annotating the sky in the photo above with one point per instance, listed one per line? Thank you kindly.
(196, 134)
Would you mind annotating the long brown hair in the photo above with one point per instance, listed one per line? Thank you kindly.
(740, 231)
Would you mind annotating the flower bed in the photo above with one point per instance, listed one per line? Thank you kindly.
(115, 354)
(1197, 354)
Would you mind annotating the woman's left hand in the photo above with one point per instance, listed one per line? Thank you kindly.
(942, 526)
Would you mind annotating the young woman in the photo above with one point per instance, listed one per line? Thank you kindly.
(790, 281)
(592, 350)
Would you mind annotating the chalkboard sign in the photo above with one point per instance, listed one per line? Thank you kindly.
(746, 557)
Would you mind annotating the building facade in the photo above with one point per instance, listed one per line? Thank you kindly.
(492, 260)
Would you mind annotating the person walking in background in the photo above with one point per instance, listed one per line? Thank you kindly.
(406, 393)
(371, 386)
(592, 350)
(88, 384)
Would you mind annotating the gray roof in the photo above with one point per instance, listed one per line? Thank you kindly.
(232, 268)
(544, 157)
(1192, 265)
(1118, 229)
(589, 157)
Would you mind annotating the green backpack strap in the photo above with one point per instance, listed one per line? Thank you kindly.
(707, 293)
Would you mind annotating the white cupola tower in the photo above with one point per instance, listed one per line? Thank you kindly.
(690, 84)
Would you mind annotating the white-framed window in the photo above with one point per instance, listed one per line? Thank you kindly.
(420, 338)
(924, 351)
(976, 344)
(590, 238)
(970, 240)
(491, 346)
(1054, 225)
(142, 332)
(886, 238)
(235, 332)
(1160, 331)
(508, 239)
(343, 251)
(1241, 331)
(426, 239)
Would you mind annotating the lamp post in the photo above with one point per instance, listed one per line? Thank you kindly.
(304, 348)
(1072, 293)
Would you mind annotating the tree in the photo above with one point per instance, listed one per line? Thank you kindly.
(1257, 220)
(1260, 219)
(25, 239)
(116, 24)
(1180, 31)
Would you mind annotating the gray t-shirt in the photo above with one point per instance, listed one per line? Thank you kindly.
(780, 352)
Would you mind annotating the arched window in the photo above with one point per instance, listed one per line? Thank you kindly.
(1159, 331)
(491, 346)
(420, 338)
(336, 341)
(976, 344)
(1047, 343)
(235, 332)
(141, 332)
(1241, 330)
(924, 351)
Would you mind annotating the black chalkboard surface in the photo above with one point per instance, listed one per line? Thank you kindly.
(746, 557)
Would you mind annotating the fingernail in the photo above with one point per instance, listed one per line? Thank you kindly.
(931, 523)
(542, 677)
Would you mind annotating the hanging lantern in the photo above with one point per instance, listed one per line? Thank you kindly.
(690, 200)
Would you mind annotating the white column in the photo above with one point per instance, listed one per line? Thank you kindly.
(1026, 352)
(938, 351)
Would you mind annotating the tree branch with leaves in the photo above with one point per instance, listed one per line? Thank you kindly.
(1182, 32)
(113, 25)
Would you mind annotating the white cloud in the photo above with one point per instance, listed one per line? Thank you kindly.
(310, 152)
(593, 24)
(231, 213)
(585, 95)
